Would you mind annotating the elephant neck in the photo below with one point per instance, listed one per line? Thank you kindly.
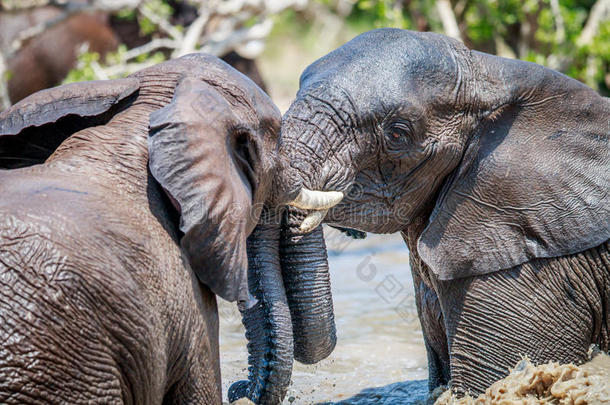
(114, 155)
(411, 234)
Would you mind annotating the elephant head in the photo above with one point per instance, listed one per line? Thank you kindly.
(209, 136)
(501, 160)
(505, 160)
(211, 140)
(212, 149)
(219, 184)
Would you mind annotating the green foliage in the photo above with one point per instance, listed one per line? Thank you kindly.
(527, 29)
(89, 65)
(385, 13)
(88, 62)
(587, 63)
(126, 14)
(159, 8)
(291, 24)
(151, 58)
(118, 56)
(84, 70)
(250, 22)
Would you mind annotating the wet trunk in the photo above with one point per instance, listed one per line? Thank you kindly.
(288, 277)
(307, 281)
(267, 321)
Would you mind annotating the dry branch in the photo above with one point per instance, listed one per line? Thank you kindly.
(450, 25)
(194, 32)
(559, 25)
(220, 27)
(4, 100)
(163, 24)
(600, 12)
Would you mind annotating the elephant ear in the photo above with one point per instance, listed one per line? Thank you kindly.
(32, 129)
(535, 184)
(192, 154)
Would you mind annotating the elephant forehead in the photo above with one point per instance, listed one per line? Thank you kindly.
(236, 87)
(393, 50)
(197, 102)
(387, 64)
(253, 104)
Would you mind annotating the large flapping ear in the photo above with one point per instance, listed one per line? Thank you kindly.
(535, 183)
(32, 129)
(192, 154)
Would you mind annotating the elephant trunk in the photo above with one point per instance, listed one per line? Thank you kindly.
(304, 265)
(267, 322)
(288, 276)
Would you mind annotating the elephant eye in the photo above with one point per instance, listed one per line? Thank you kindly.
(399, 133)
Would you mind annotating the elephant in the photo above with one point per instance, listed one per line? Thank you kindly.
(495, 171)
(46, 59)
(125, 209)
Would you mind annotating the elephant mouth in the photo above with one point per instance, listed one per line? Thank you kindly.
(373, 218)
(348, 207)
(316, 203)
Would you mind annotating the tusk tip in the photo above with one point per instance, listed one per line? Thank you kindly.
(312, 221)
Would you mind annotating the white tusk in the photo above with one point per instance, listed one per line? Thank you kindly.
(312, 220)
(316, 200)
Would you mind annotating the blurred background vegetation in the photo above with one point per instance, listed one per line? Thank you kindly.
(572, 36)
(284, 36)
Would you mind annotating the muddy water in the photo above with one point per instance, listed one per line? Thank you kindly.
(380, 356)
(551, 383)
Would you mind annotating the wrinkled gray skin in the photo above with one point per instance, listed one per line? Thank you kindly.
(301, 309)
(101, 263)
(495, 171)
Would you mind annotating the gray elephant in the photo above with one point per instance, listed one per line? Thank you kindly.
(495, 171)
(100, 299)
